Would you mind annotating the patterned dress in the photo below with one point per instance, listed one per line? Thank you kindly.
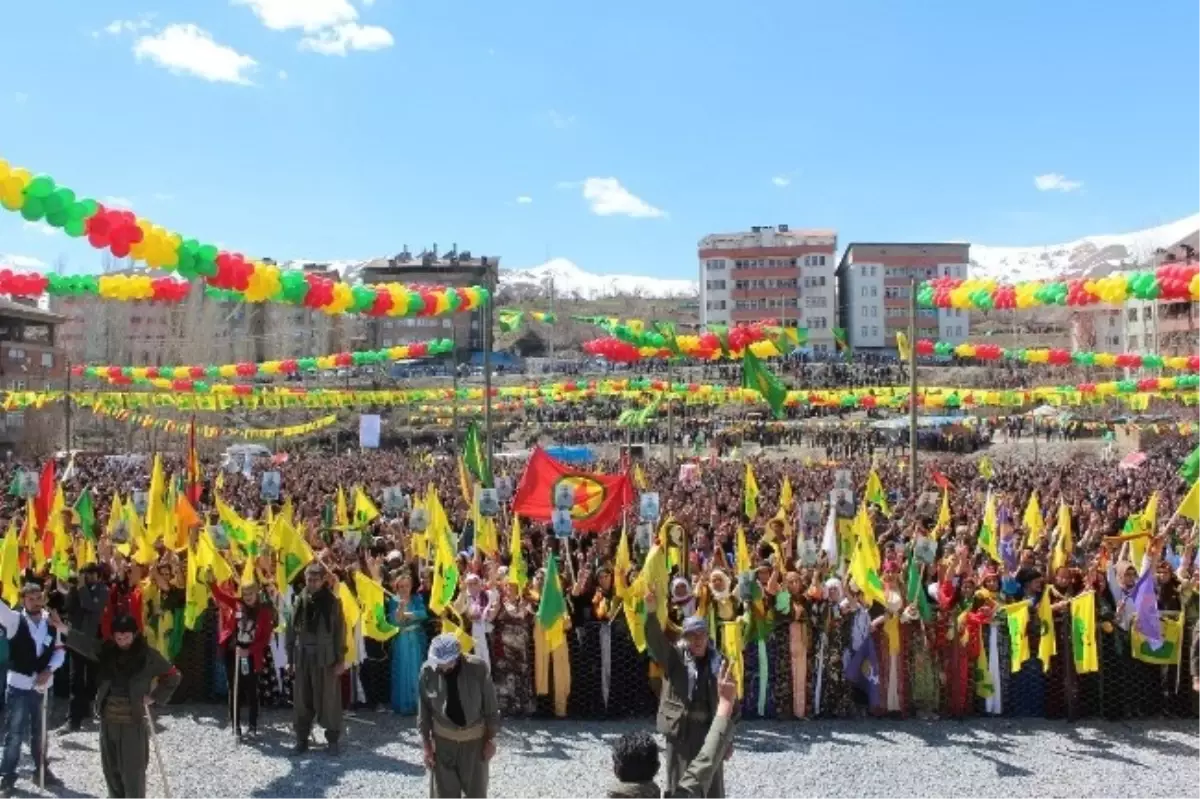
(512, 666)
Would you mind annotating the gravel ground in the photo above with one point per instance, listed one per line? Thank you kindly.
(544, 758)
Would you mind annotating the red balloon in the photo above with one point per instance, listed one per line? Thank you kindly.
(196, 372)
(289, 366)
(182, 385)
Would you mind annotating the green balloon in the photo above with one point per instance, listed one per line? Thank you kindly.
(41, 187)
(74, 227)
(33, 209)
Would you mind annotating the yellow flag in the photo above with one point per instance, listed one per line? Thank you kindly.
(621, 565)
(207, 557)
(1064, 543)
(943, 519)
(350, 614)
(1047, 646)
(116, 510)
(10, 566)
(989, 530)
(732, 647)
(902, 346)
(1083, 633)
(365, 511)
(1190, 507)
(639, 477)
(985, 468)
(785, 494)
(1017, 616)
(464, 482)
(341, 515)
(750, 494)
(742, 559)
(156, 506)
(249, 578)
(1032, 519)
(875, 494)
(518, 572)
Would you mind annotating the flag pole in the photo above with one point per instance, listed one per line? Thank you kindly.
(45, 742)
(912, 390)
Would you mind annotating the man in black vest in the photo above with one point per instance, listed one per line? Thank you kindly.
(35, 652)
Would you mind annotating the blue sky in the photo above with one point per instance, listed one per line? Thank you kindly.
(612, 134)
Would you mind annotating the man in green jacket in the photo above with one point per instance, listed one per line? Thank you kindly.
(635, 755)
(130, 677)
(316, 646)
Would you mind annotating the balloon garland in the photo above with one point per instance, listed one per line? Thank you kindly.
(214, 431)
(219, 397)
(110, 287)
(146, 375)
(510, 319)
(1177, 281)
(41, 199)
(1059, 357)
(631, 341)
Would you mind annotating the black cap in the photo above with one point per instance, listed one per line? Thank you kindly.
(125, 624)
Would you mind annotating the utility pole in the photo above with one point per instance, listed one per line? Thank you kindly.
(486, 313)
(550, 335)
(670, 416)
(67, 409)
(912, 389)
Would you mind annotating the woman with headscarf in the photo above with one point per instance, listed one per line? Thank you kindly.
(407, 610)
(512, 666)
(1062, 683)
(792, 606)
(1029, 682)
(891, 639)
(831, 693)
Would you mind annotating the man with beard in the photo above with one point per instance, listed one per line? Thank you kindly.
(130, 677)
(34, 653)
(457, 718)
(316, 646)
(689, 696)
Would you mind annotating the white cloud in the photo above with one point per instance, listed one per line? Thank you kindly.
(350, 36)
(560, 120)
(113, 201)
(309, 16)
(22, 261)
(1055, 181)
(282, 74)
(781, 181)
(39, 227)
(20, 97)
(524, 199)
(119, 26)
(608, 197)
(189, 50)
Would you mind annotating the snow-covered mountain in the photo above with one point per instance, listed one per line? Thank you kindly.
(1086, 257)
(572, 282)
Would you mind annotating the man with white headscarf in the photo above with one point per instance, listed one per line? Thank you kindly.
(458, 719)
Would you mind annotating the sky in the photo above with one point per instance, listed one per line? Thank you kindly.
(614, 134)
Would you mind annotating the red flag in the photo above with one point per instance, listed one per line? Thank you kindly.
(599, 498)
(941, 480)
(194, 485)
(45, 496)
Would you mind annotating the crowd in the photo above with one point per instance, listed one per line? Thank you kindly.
(960, 623)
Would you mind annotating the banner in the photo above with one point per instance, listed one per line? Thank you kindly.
(599, 502)
(368, 431)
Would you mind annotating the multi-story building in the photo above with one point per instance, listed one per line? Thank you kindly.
(430, 269)
(874, 283)
(30, 360)
(771, 272)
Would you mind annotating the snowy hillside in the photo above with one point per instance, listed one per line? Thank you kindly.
(1093, 255)
(572, 282)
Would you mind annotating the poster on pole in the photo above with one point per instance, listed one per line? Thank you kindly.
(368, 431)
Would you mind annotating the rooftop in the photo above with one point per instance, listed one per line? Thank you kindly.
(30, 313)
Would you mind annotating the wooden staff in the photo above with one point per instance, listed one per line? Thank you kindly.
(237, 673)
(45, 742)
(162, 770)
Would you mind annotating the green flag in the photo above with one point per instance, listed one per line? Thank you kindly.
(474, 456)
(842, 343)
(552, 609)
(14, 486)
(759, 378)
(916, 591)
(509, 320)
(1189, 470)
(87, 514)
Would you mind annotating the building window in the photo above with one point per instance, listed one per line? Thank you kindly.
(16, 354)
(864, 291)
(874, 291)
(1132, 318)
(864, 331)
(874, 330)
(1133, 339)
(48, 360)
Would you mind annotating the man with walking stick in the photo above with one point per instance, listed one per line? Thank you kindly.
(131, 676)
(35, 653)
